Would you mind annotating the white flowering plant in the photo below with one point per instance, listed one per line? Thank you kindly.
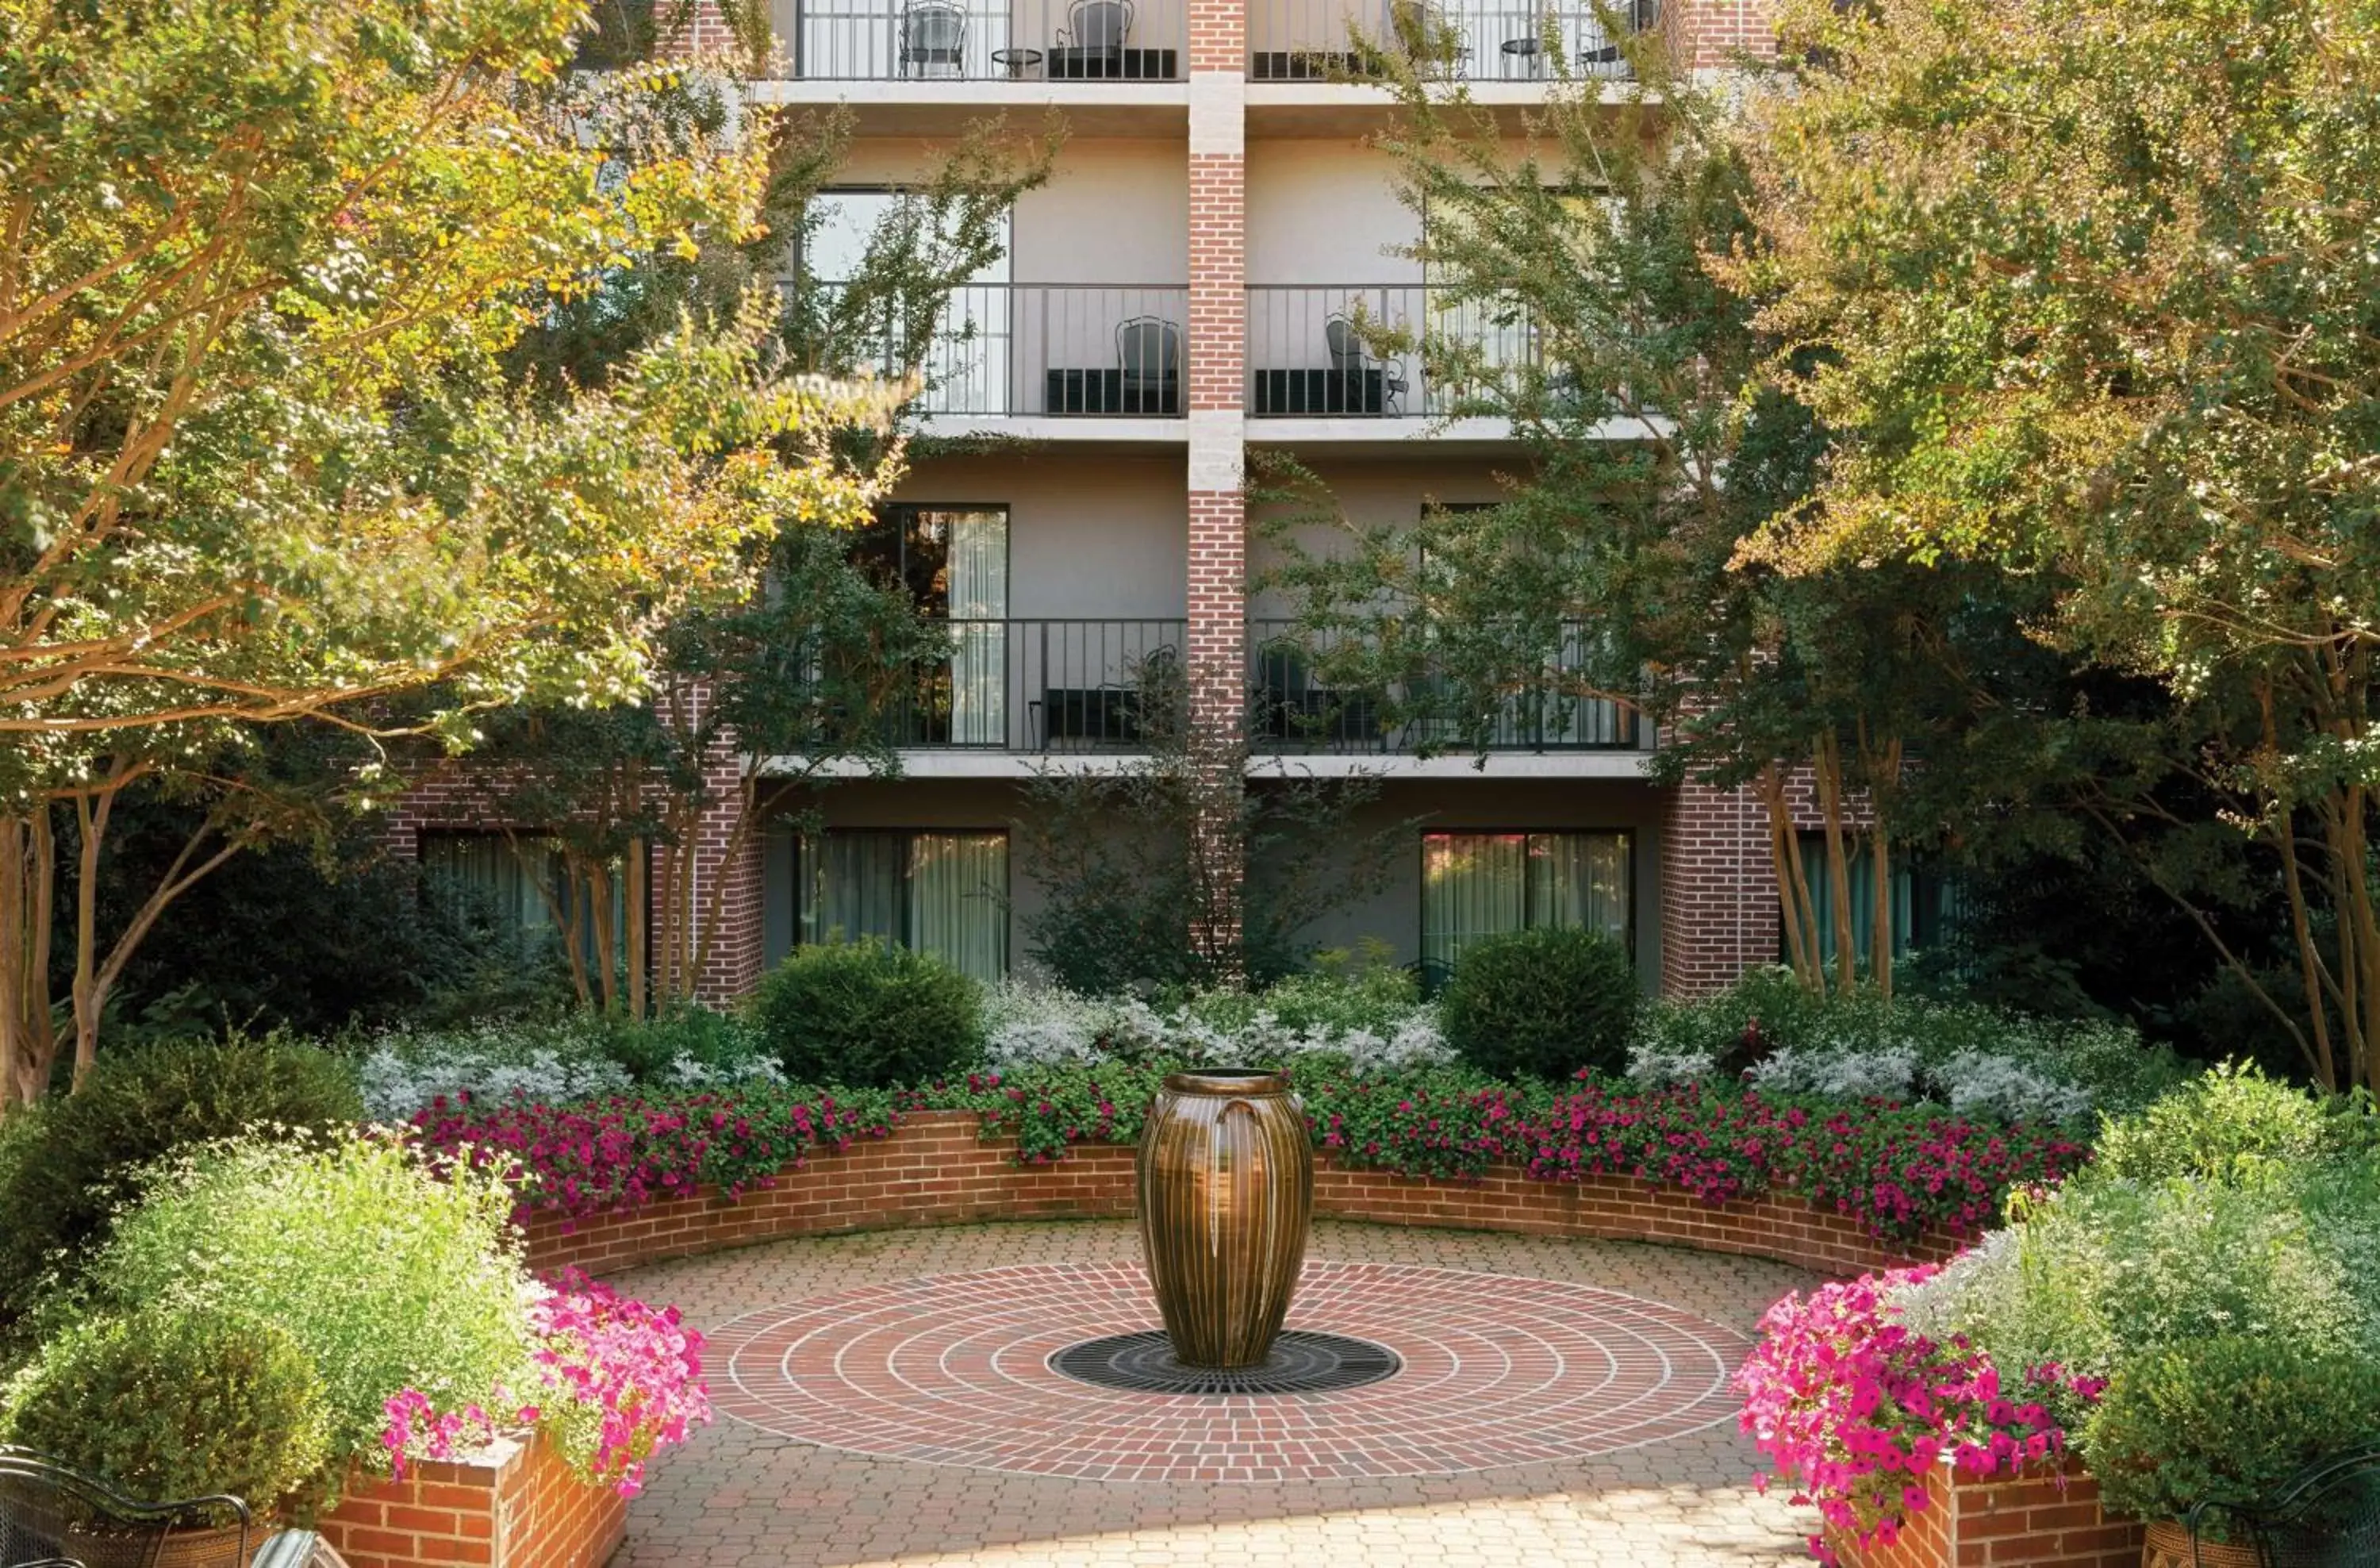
(1977, 1060)
(556, 1061)
(1374, 1021)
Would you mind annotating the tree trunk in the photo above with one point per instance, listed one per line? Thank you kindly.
(640, 912)
(91, 821)
(1828, 766)
(1880, 923)
(1796, 910)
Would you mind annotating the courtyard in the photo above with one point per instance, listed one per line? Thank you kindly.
(739, 1496)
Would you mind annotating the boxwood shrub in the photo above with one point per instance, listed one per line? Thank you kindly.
(868, 1015)
(1542, 1003)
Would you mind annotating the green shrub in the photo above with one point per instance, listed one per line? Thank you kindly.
(2234, 1126)
(868, 1015)
(66, 1168)
(386, 1276)
(1542, 1003)
(2225, 1420)
(651, 1049)
(176, 1402)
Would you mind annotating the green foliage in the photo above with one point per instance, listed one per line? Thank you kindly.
(1155, 878)
(66, 1164)
(869, 1015)
(2076, 306)
(386, 1276)
(650, 1048)
(2233, 1126)
(172, 1403)
(2225, 1420)
(1542, 1003)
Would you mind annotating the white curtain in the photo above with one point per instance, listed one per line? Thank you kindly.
(956, 884)
(979, 600)
(1579, 880)
(1474, 885)
(1477, 885)
(854, 889)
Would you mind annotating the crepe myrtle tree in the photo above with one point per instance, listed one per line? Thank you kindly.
(1573, 294)
(2094, 281)
(803, 677)
(257, 265)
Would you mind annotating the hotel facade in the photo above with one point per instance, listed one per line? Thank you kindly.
(1177, 298)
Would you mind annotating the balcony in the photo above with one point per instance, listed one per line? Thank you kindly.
(1294, 709)
(1313, 355)
(1475, 40)
(972, 42)
(997, 353)
(1047, 686)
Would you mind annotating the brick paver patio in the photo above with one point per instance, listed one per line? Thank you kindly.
(739, 1495)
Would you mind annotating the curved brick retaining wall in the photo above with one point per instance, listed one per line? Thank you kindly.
(936, 1170)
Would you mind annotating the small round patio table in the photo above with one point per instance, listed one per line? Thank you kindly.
(1021, 63)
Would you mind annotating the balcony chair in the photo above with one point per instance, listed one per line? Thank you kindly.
(1420, 30)
(933, 38)
(2326, 1516)
(1094, 36)
(52, 1516)
(1351, 365)
(1149, 361)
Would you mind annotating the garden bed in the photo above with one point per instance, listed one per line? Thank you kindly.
(936, 1169)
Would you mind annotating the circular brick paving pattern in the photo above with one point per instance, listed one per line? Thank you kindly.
(1499, 1370)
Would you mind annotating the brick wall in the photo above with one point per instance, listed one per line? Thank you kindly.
(1718, 888)
(1711, 35)
(2048, 1518)
(518, 1506)
(937, 1171)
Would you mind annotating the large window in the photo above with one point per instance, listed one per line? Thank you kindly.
(940, 893)
(1924, 902)
(517, 882)
(1482, 884)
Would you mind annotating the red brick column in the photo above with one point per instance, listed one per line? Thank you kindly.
(1711, 35)
(727, 887)
(1218, 511)
(1718, 888)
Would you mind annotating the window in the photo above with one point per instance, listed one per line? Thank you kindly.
(939, 893)
(953, 562)
(1483, 884)
(519, 883)
(1924, 902)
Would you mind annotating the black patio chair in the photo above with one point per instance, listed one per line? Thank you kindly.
(52, 1516)
(2326, 1516)
(933, 38)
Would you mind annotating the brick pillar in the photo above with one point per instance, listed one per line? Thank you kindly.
(1711, 35)
(1718, 888)
(731, 884)
(1217, 510)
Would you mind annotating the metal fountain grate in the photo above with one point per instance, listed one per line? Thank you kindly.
(1300, 1363)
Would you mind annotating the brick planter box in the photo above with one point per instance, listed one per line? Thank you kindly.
(2045, 1518)
(518, 1505)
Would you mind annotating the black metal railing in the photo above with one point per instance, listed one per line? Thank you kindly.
(1044, 685)
(928, 41)
(1295, 705)
(1020, 348)
(1460, 40)
(1357, 351)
